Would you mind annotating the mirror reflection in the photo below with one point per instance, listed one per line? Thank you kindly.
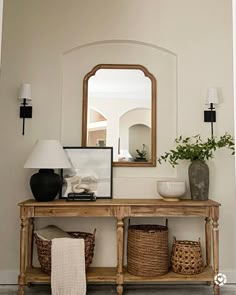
(119, 113)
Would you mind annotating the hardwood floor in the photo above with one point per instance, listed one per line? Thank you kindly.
(130, 290)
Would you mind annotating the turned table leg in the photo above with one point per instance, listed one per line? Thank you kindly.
(215, 235)
(23, 245)
(21, 290)
(30, 243)
(208, 241)
(120, 249)
(119, 289)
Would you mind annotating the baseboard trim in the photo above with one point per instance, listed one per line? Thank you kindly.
(9, 277)
(230, 275)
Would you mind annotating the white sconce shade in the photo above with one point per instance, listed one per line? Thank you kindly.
(212, 96)
(47, 154)
(25, 92)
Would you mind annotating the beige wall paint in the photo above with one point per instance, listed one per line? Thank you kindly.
(1, 13)
(37, 33)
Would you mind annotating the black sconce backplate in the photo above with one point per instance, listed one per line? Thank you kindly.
(26, 112)
(209, 116)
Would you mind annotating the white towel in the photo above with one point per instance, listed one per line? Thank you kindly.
(68, 267)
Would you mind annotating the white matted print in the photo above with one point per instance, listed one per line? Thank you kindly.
(91, 171)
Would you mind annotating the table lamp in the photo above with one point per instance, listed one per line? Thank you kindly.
(47, 155)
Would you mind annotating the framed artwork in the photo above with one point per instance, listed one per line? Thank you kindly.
(91, 171)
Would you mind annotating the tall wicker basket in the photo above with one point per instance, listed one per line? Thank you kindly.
(186, 257)
(44, 249)
(147, 253)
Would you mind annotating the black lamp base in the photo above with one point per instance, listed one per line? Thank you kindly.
(45, 185)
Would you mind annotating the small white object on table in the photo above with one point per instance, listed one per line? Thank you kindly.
(171, 190)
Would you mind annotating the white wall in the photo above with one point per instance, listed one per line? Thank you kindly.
(234, 61)
(117, 114)
(36, 37)
(1, 13)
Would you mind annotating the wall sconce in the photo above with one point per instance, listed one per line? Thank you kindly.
(25, 110)
(211, 100)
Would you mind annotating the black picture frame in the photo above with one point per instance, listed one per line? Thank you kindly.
(92, 167)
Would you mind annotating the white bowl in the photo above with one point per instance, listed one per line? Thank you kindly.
(171, 190)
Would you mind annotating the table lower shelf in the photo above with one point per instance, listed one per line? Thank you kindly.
(108, 275)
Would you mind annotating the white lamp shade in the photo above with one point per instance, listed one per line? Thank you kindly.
(212, 96)
(47, 154)
(25, 92)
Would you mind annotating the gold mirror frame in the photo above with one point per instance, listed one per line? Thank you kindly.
(151, 163)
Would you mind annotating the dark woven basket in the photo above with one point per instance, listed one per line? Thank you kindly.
(44, 249)
(186, 257)
(147, 253)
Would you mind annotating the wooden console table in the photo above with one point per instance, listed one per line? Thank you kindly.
(119, 208)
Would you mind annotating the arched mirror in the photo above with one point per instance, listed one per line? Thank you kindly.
(119, 110)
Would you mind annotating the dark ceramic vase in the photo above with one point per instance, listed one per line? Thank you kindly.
(198, 172)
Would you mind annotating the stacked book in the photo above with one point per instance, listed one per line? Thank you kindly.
(81, 196)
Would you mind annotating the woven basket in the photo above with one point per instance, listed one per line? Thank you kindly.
(186, 257)
(44, 249)
(147, 253)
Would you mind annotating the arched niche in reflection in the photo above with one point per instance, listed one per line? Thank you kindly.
(137, 132)
(116, 90)
(97, 128)
(132, 134)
